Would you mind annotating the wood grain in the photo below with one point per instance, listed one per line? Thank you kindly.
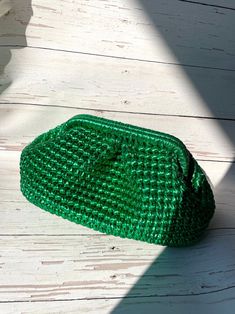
(36, 76)
(217, 303)
(127, 29)
(15, 135)
(166, 65)
(54, 268)
(226, 4)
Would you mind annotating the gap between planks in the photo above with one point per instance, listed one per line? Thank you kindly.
(178, 64)
(109, 266)
(38, 119)
(118, 111)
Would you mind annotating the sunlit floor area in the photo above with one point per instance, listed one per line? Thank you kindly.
(164, 65)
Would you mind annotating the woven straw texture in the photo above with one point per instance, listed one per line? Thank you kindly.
(118, 179)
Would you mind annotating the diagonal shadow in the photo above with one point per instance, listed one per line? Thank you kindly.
(203, 49)
(200, 278)
(175, 280)
(187, 280)
(13, 26)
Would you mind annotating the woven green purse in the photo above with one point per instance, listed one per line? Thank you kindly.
(118, 179)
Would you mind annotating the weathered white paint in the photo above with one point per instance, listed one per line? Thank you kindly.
(200, 35)
(75, 80)
(216, 303)
(5, 6)
(229, 4)
(110, 58)
(68, 267)
(21, 123)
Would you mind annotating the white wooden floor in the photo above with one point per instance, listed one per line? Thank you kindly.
(166, 65)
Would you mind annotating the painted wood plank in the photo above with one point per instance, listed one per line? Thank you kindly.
(216, 303)
(204, 278)
(228, 4)
(100, 306)
(165, 31)
(75, 80)
(203, 137)
(70, 267)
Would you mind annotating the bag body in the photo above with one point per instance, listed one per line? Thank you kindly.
(118, 179)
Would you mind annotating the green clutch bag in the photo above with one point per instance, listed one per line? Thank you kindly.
(118, 179)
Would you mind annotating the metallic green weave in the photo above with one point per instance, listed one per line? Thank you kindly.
(118, 179)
